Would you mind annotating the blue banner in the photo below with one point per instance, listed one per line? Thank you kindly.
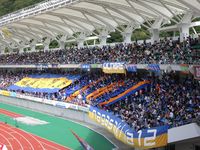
(86, 66)
(153, 67)
(55, 65)
(144, 139)
(131, 68)
(40, 66)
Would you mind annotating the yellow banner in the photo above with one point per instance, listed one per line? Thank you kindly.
(44, 82)
(111, 71)
(5, 93)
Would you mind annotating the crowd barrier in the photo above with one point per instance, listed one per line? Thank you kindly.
(144, 139)
(46, 101)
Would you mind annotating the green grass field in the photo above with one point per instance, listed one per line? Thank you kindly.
(58, 129)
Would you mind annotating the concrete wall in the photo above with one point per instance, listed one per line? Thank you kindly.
(75, 115)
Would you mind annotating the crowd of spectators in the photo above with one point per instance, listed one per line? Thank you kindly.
(8, 78)
(162, 52)
(168, 100)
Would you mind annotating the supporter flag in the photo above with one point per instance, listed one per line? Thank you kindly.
(3, 147)
(153, 67)
(83, 143)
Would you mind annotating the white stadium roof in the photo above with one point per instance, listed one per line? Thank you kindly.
(67, 17)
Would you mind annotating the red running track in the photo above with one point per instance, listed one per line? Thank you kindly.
(16, 139)
(9, 113)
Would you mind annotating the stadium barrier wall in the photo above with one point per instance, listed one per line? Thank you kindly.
(143, 139)
(57, 108)
(138, 66)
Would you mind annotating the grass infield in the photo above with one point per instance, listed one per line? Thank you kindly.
(57, 129)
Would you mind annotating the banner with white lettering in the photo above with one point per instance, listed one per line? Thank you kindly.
(144, 139)
(115, 67)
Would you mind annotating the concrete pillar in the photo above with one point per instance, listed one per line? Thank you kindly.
(155, 35)
(2, 50)
(184, 26)
(127, 37)
(33, 48)
(33, 45)
(103, 35)
(62, 41)
(21, 46)
(155, 29)
(80, 43)
(103, 40)
(81, 39)
(127, 33)
(21, 50)
(174, 35)
(46, 47)
(184, 31)
(62, 44)
(46, 44)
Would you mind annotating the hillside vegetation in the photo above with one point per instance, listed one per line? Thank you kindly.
(8, 6)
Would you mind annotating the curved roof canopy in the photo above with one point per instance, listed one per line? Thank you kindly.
(68, 17)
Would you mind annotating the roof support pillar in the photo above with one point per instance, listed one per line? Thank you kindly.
(21, 50)
(62, 44)
(61, 41)
(46, 43)
(127, 33)
(33, 45)
(21, 46)
(2, 50)
(184, 31)
(103, 35)
(33, 48)
(155, 29)
(154, 35)
(81, 39)
(174, 35)
(184, 26)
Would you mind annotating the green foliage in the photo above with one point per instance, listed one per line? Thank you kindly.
(6, 50)
(115, 37)
(8, 6)
(54, 44)
(140, 34)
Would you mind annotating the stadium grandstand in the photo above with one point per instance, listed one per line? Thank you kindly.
(100, 75)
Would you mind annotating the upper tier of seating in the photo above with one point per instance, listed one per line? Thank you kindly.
(164, 52)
